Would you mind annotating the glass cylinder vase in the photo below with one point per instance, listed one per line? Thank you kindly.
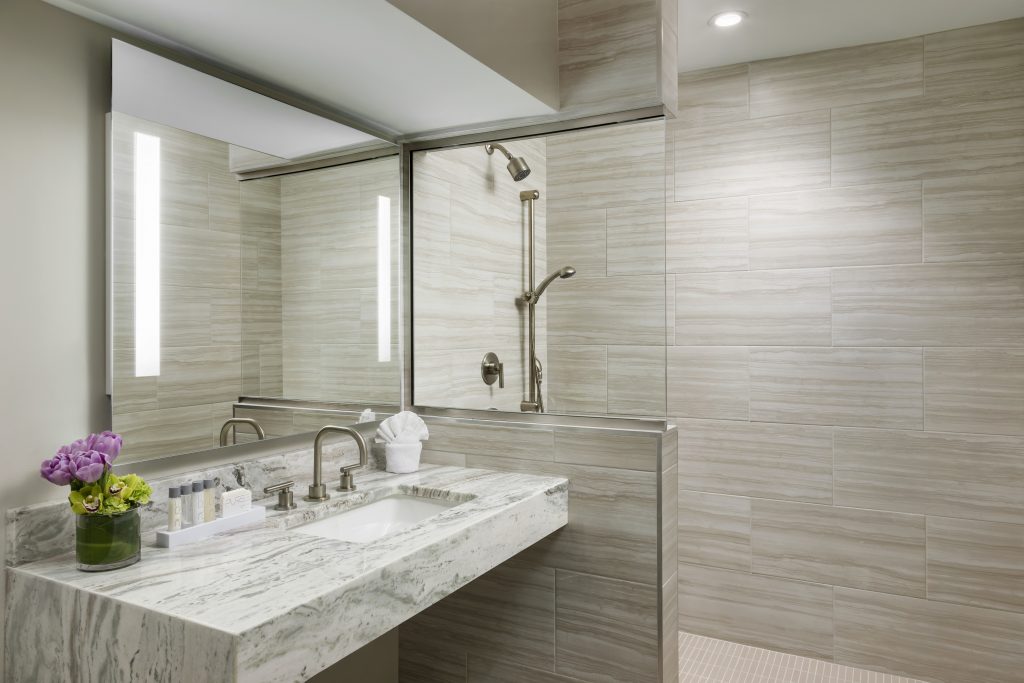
(104, 542)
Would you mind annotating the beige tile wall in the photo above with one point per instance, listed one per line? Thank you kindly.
(593, 602)
(846, 261)
(328, 275)
(469, 245)
(606, 217)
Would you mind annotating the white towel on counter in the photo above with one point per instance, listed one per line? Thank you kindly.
(405, 427)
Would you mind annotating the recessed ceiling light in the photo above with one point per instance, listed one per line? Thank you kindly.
(727, 19)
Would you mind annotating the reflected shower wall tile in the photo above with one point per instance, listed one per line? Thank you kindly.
(578, 379)
(338, 318)
(780, 614)
(754, 308)
(926, 137)
(974, 390)
(711, 96)
(348, 256)
(784, 462)
(866, 387)
(131, 394)
(261, 205)
(614, 310)
(933, 473)
(707, 235)
(774, 154)
(200, 257)
(352, 373)
(261, 316)
(199, 374)
(636, 239)
(940, 304)
(880, 551)
(184, 195)
(636, 380)
(712, 382)
(714, 530)
(833, 78)
(987, 58)
(432, 198)
(450, 313)
(225, 210)
(974, 218)
(300, 370)
(607, 166)
(578, 238)
(271, 370)
(849, 226)
(158, 432)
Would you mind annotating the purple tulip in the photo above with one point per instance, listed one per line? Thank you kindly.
(106, 443)
(57, 469)
(88, 466)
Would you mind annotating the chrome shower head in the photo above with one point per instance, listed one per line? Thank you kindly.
(517, 166)
(561, 274)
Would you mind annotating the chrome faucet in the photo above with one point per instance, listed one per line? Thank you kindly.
(318, 490)
(232, 424)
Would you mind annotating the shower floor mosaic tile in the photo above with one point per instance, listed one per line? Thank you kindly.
(707, 660)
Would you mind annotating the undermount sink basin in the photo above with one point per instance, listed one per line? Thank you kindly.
(376, 520)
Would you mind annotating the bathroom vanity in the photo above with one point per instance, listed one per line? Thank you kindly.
(277, 602)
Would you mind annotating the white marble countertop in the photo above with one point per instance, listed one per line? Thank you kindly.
(270, 604)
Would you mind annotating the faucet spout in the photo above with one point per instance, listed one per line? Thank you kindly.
(232, 425)
(318, 490)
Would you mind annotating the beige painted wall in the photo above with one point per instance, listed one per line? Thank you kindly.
(846, 256)
(55, 76)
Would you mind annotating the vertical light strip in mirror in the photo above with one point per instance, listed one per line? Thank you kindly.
(147, 255)
(383, 279)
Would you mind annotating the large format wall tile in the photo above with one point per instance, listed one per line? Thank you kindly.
(613, 519)
(712, 382)
(706, 235)
(974, 218)
(578, 238)
(509, 612)
(866, 387)
(714, 530)
(926, 137)
(941, 642)
(636, 380)
(974, 390)
(577, 379)
(846, 226)
(785, 462)
(608, 166)
(880, 551)
(833, 78)
(497, 440)
(614, 310)
(754, 308)
(603, 448)
(482, 670)
(928, 305)
(713, 96)
(605, 629)
(636, 239)
(763, 611)
(753, 157)
(976, 563)
(979, 58)
(951, 475)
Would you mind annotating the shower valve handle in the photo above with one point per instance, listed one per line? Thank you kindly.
(491, 368)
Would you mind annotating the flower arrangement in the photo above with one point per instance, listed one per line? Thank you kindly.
(87, 466)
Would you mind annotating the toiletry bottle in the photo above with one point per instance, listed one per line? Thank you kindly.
(174, 508)
(209, 500)
(197, 503)
(186, 506)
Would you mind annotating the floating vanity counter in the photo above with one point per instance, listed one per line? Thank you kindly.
(283, 601)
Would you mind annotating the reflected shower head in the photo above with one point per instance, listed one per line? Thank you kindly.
(561, 274)
(517, 166)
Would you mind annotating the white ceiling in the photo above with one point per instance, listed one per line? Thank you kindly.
(364, 57)
(778, 28)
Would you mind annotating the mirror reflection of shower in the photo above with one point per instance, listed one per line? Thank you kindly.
(517, 166)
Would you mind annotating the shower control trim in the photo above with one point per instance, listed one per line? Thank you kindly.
(492, 369)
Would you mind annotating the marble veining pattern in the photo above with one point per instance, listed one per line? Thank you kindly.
(280, 606)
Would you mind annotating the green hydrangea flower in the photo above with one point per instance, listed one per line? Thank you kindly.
(135, 489)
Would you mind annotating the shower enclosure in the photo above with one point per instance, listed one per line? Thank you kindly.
(487, 270)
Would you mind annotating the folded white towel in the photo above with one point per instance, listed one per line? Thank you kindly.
(405, 427)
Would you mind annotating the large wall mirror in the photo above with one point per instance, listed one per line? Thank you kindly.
(545, 253)
(234, 286)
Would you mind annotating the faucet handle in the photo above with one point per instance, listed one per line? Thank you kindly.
(285, 499)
